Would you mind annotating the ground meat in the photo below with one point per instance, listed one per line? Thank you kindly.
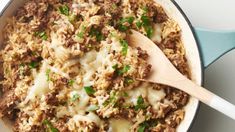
(161, 16)
(31, 8)
(147, 70)
(111, 8)
(51, 99)
(7, 104)
(61, 125)
(142, 53)
(171, 43)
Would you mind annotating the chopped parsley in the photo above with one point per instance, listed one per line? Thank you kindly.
(149, 31)
(125, 94)
(141, 128)
(111, 100)
(115, 67)
(33, 64)
(127, 19)
(48, 74)
(121, 71)
(75, 97)
(122, 26)
(145, 20)
(49, 126)
(139, 24)
(41, 34)
(125, 69)
(145, 9)
(82, 32)
(89, 90)
(97, 33)
(147, 124)
(140, 104)
(72, 18)
(71, 82)
(64, 9)
(146, 23)
(128, 80)
(124, 47)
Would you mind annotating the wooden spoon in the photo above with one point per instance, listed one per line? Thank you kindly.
(165, 73)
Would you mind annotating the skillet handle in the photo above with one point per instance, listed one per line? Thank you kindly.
(214, 44)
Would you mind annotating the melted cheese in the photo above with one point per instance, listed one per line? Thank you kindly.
(41, 85)
(61, 53)
(157, 34)
(120, 125)
(91, 117)
(89, 67)
(154, 97)
(77, 107)
(135, 93)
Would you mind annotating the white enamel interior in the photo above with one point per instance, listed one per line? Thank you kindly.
(192, 55)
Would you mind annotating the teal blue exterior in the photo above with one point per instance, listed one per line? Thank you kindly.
(214, 44)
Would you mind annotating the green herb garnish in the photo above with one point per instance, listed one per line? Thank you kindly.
(41, 34)
(48, 74)
(125, 94)
(147, 124)
(33, 64)
(89, 90)
(95, 32)
(141, 128)
(71, 82)
(127, 19)
(128, 80)
(146, 22)
(82, 32)
(49, 126)
(72, 18)
(140, 103)
(138, 24)
(124, 47)
(149, 31)
(111, 100)
(122, 27)
(125, 69)
(115, 67)
(64, 9)
(75, 97)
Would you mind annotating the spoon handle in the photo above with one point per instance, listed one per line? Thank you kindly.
(223, 106)
(205, 96)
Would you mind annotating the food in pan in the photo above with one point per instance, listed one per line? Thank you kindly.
(67, 66)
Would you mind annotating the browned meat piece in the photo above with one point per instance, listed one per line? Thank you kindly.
(171, 44)
(31, 8)
(7, 104)
(61, 125)
(160, 16)
(51, 99)
(111, 7)
(147, 70)
(142, 53)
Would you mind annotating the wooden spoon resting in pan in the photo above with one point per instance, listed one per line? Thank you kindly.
(163, 72)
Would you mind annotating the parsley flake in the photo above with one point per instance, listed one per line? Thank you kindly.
(49, 126)
(124, 47)
(48, 74)
(33, 64)
(64, 9)
(89, 90)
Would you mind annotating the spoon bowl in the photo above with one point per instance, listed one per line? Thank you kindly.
(164, 72)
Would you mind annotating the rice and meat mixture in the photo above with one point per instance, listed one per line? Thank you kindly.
(66, 66)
